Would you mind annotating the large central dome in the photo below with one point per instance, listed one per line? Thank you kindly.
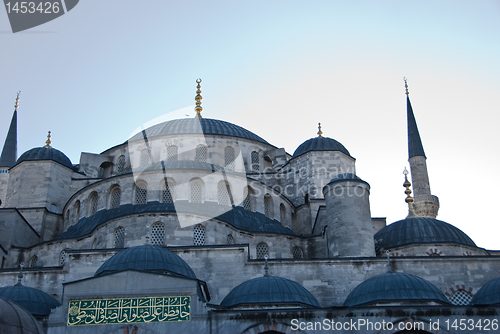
(205, 126)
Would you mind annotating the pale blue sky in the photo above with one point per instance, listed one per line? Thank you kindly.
(278, 68)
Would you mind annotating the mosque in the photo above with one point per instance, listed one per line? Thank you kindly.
(197, 225)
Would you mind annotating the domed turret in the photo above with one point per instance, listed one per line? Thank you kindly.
(319, 143)
(489, 294)
(147, 258)
(397, 288)
(15, 319)
(46, 153)
(37, 302)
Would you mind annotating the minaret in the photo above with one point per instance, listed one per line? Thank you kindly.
(9, 152)
(425, 204)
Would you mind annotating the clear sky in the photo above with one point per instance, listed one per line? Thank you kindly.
(278, 68)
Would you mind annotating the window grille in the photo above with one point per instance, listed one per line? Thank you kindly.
(120, 237)
(141, 193)
(172, 153)
(93, 203)
(158, 234)
(196, 192)
(247, 199)
(145, 157)
(62, 258)
(201, 153)
(33, 261)
(167, 192)
(298, 253)
(268, 206)
(229, 157)
(121, 165)
(223, 194)
(230, 239)
(115, 198)
(461, 297)
(199, 235)
(255, 161)
(262, 250)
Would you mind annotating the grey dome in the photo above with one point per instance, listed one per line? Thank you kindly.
(45, 153)
(36, 302)
(146, 258)
(320, 144)
(394, 287)
(420, 230)
(204, 126)
(16, 320)
(269, 290)
(489, 294)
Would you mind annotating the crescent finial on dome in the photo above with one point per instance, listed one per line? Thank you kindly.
(198, 99)
(320, 133)
(48, 142)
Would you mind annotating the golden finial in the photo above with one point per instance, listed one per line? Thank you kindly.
(409, 199)
(198, 99)
(17, 101)
(406, 87)
(319, 130)
(48, 142)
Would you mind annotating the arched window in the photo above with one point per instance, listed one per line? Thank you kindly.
(282, 213)
(196, 191)
(101, 172)
(93, 200)
(172, 153)
(119, 237)
(229, 158)
(199, 235)
(167, 194)
(201, 153)
(460, 297)
(115, 198)
(94, 243)
(145, 157)
(223, 192)
(230, 239)
(262, 250)
(77, 211)
(248, 199)
(298, 253)
(141, 192)
(33, 261)
(121, 165)
(67, 217)
(158, 234)
(268, 206)
(62, 258)
(254, 157)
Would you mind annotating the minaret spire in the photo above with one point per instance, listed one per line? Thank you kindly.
(424, 204)
(9, 153)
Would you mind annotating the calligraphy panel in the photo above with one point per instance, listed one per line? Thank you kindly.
(128, 310)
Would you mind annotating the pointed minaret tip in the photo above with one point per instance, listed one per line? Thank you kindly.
(198, 99)
(8, 157)
(415, 147)
(406, 87)
(17, 101)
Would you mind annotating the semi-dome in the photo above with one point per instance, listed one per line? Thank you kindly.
(147, 258)
(489, 294)
(15, 319)
(37, 302)
(45, 153)
(320, 144)
(203, 126)
(269, 291)
(394, 287)
(420, 230)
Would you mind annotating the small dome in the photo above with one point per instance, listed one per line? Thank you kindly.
(37, 302)
(489, 294)
(16, 320)
(45, 153)
(320, 144)
(269, 290)
(203, 126)
(146, 258)
(420, 230)
(394, 287)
